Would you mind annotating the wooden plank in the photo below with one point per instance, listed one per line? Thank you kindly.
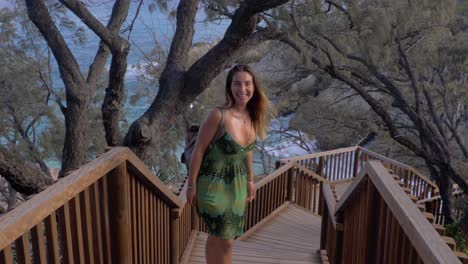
(6, 256)
(37, 239)
(430, 247)
(65, 233)
(319, 154)
(331, 203)
(105, 219)
(275, 174)
(51, 233)
(96, 224)
(152, 223)
(22, 249)
(28, 214)
(274, 242)
(399, 164)
(188, 250)
(77, 230)
(263, 222)
(87, 225)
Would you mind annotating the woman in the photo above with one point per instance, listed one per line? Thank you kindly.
(221, 169)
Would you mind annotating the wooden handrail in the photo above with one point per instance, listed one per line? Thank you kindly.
(28, 214)
(330, 200)
(311, 173)
(319, 154)
(275, 174)
(399, 164)
(428, 244)
(437, 197)
(144, 174)
(383, 158)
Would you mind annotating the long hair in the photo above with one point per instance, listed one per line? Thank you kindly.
(259, 106)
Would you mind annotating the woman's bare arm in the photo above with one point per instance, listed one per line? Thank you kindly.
(251, 190)
(205, 136)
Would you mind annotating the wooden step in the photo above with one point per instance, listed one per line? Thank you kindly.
(462, 257)
(407, 190)
(429, 217)
(421, 207)
(413, 198)
(440, 229)
(324, 257)
(450, 242)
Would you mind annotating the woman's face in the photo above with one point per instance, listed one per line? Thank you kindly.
(242, 87)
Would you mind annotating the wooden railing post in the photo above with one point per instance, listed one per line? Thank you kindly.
(195, 220)
(356, 162)
(119, 215)
(174, 232)
(320, 166)
(277, 164)
(290, 185)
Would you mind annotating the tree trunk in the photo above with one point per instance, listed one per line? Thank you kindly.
(11, 199)
(112, 104)
(178, 87)
(22, 177)
(464, 218)
(75, 133)
(446, 193)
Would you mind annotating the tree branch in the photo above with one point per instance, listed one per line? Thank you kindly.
(34, 151)
(119, 13)
(179, 87)
(342, 9)
(407, 67)
(242, 26)
(23, 178)
(69, 69)
(80, 10)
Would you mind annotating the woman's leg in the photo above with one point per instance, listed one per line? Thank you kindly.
(218, 251)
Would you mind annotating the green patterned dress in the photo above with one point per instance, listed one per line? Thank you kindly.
(222, 187)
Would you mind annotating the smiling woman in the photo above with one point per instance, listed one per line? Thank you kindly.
(221, 169)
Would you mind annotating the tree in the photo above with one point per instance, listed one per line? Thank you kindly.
(380, 50)
(24, 108)
(179, 84)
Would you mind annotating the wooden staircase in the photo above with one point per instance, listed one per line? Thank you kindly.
(291, 237)
(339, 206)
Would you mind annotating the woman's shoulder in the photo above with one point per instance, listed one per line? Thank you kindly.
(215, 115)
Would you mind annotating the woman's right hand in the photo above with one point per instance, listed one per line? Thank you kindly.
(191, 194)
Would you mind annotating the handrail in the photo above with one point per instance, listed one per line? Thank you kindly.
(137, 166)
(434, 206)
(437, 197)
(384, 158)
(275, 174)
(311, 173)
(399, 164)
(330, 201)
(66, 191)
(319, 154)
(424, 238)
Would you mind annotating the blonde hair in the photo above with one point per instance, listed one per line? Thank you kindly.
(259, 106)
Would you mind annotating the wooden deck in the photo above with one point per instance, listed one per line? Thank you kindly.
(293, 236)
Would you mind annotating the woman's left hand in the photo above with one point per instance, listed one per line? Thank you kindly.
(251, 191)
